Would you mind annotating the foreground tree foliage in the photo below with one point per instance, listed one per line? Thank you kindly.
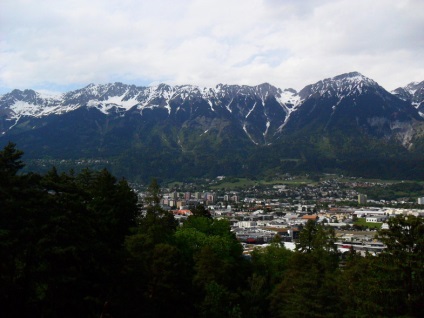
(405, 253)
(62, 239)
(78, 245)
(309, 287)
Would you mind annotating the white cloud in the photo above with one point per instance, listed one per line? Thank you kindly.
(52, 44)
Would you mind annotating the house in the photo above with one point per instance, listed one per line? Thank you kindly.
(310, 217)
(182, 212)
(246, 224)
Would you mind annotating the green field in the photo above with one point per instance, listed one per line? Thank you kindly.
(362, 222)
(241, 183)
(234, 183)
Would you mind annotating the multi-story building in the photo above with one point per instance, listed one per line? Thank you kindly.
(362, 198)
(210, 197)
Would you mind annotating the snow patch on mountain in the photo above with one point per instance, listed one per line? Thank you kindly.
(248, 135)
(105, 106)
(289, 99)
(268, 124)
(251, 110)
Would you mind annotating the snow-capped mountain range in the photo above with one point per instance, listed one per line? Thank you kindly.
(106, 97)
(339, 115)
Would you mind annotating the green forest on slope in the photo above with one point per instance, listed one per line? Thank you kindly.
(77, 245)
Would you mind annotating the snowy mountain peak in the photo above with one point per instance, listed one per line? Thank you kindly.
(343, 85)
(350, 81)
(354, 77)
(414, 87)
(408, 91)
(413, 92)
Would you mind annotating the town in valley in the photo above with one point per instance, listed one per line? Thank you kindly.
(261, 212)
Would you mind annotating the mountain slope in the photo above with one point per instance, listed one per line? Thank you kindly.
(258, 110)
(189, 131)
(170, 130)
(354, 106)
(350, 123)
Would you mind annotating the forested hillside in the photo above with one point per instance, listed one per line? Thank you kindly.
(77, 245)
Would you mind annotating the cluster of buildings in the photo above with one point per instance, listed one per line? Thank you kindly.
(258, 215)
(182, 200)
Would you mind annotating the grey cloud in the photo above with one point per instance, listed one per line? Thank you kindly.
(204, 42)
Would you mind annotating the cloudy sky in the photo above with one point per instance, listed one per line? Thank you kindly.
(61, 45)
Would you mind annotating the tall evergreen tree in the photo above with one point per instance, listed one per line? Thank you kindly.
(405, 250)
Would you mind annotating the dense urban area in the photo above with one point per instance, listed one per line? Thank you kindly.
(261, 211)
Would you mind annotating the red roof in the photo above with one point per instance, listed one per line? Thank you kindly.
(310, 217)
(182, 212)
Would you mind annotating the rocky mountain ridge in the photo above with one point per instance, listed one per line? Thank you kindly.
(228, 129)
(414, 93)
